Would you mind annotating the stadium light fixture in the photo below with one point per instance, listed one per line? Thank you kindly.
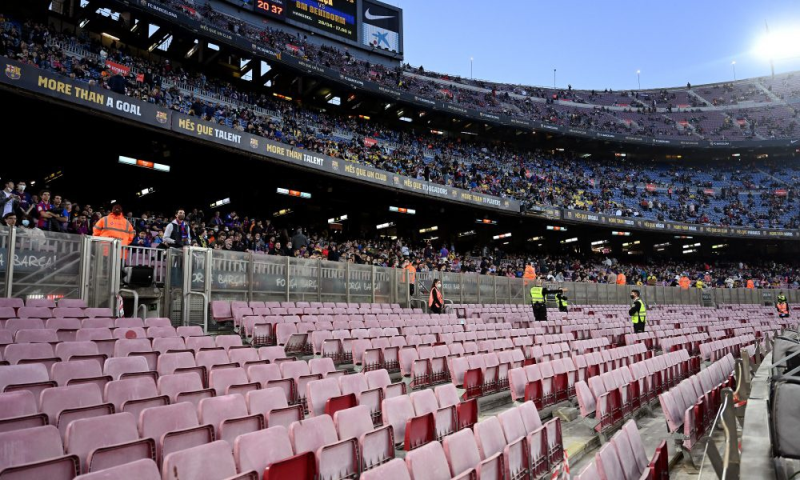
(294, 193)
(570, 240)
(466, 234)
(621, 234)
(283, 212)
(661, 245)
(535, 239)
(384, 225)
(145, 191)
(219, 203)
(556, 228)
(53, 176)
(144, 164)
(429, 229)
(112, 37)
(431, 239)
(406, 119)
(599, 242)
(501, 236)
(691, 246)
(335, 101)
(337, 219)
(213, 46)
(193, 49)
(486, 221)
(717, 247)
(683, 237)
(407, 211)
(689, 251)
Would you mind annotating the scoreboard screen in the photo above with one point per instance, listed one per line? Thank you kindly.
(334, 17)
(271, 8)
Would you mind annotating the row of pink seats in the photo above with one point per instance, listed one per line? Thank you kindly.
(41, 302)
(717, 349)
(691, 405)
(41, 345)
(513, 444)
(616, 394)
(625, 457)
(58, 312)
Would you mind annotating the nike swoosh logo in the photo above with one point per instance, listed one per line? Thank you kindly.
(370, 16)
(792, 142)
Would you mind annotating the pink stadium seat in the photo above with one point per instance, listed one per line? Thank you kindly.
(229, 416)
(184, 387)
(134, 394)
(19, 410)
(174, 428)
(144, 469)
(257, 451)
(47, 460)
(273, 405)
(108, 441)
(393, 470)
(212, 461)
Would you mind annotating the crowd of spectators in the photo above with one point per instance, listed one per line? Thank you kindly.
(633, 113)
(736, 195)
(234, 233)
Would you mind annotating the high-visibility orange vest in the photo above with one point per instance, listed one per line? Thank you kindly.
(621, 280)
(751, 284)
(783, 308)
(412, 274)
(114, 226)
(530, 273)
(438, 296)
(684, 283)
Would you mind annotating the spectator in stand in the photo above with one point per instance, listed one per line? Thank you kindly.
(10, 219)
(299, 240)
(42, 213)
(141, 240)
(60, 215)
(25, 202)
(81, 225)
(114, 225)
(9, 201)
(178, 234)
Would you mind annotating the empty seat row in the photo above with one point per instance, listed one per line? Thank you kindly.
(612, 396)
(690, 407)
(625, 457)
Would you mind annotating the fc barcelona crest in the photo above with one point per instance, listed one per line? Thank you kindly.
(335, 164)
(161, 117)
(13, 72)
(254, 143)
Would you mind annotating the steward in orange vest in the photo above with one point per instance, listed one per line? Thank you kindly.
(114, 225)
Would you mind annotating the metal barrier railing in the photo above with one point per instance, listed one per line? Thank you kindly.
(34, 262)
